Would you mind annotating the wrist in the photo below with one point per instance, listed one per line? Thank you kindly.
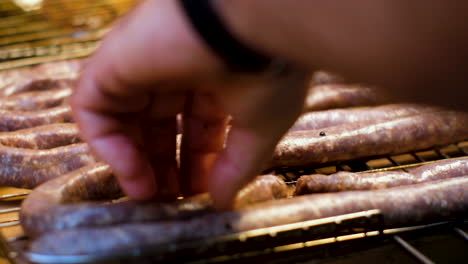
(242, 18)
(218, 37)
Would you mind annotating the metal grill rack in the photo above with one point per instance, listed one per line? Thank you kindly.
(62, 31)
(326, 240)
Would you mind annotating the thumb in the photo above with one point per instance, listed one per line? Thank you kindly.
(259, 120)
(245, 154)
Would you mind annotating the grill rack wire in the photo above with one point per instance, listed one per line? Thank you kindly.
(320, 237)
(32, 37)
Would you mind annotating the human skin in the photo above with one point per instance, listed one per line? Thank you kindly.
(153, 66)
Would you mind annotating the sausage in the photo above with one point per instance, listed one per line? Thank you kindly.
(15, 120)
(263, 188)
(410, 204)
(358, 140)
(52, 70)
(26, 168)
(95, 181)
(58, 68)
(30, 85)
(42, 137)
(442, 169)
(347, 181)
(36, 100)
(334, 117)
(322, 97)
(53, 205)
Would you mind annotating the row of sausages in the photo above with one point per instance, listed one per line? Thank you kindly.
(56, 149)
(40, 145)
(89, 228)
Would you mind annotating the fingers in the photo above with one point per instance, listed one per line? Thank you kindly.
(204, 124)
(110, 125)
(245, 154)
(268, 108)
(160, 129)
(138, 58)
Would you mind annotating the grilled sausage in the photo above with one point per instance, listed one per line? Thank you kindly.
(347, 181)
(329, 96)
(263, 188)
(12, 120)
(442, 169)
(411, 204)
(42, 137)
(334, 117)
(53, 205)
(26, 168)
(24, 76)
(26, 85)
(358, 140)
(36, 100)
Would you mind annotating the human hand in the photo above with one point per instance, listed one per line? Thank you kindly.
(151, 67)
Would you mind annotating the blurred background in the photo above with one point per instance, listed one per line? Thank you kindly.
(37, 31)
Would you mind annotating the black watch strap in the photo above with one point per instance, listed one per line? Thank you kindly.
(210, 27)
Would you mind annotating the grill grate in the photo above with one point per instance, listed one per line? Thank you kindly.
(58, 32)
(332, 236)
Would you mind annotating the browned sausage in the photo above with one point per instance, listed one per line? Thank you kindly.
(15, 120)
(334, 117)
(322, 97)
(26, 85)
(442, 169)
(95, 181)
(36, 100)
(42, 137)
(26, 168)
(346, 181)
(53, 205)
(358, 140)
(24, 76)
(410, 204)
(263, 188)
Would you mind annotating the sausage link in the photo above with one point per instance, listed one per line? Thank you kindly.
(53, 205)
(42, 137)
(442, 169)
(322, 97)
(26, 168)
(31, 85)
(263, 188)
(94, 181)
(335, 117)
(36, 100)
(411, 204)
(12, 120)
(347, 181)
(358, 140)
(25, 76)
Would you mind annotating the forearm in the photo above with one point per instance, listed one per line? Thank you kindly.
(413, 50)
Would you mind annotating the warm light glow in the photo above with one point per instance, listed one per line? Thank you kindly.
(29, 5)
